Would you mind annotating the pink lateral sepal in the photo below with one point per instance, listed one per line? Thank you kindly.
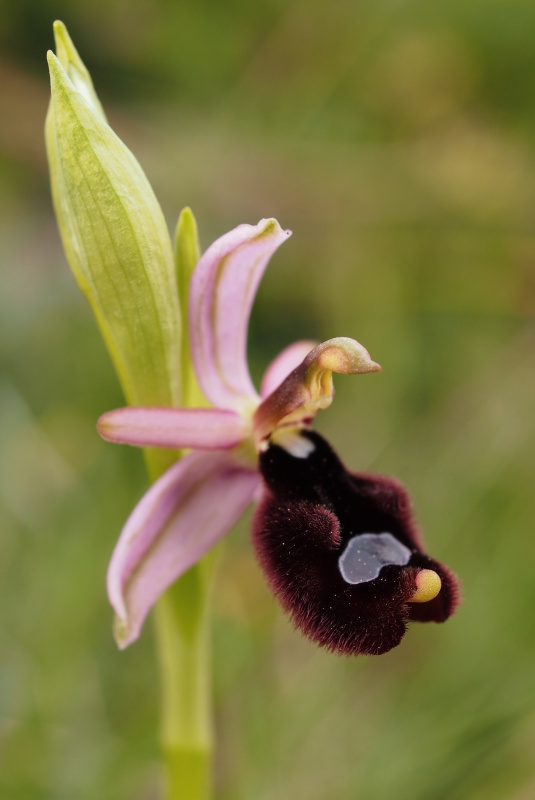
(201, 428)
(194, 504)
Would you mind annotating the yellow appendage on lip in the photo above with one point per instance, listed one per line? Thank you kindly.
(428, 585)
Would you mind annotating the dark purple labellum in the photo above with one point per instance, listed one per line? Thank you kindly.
(341, 552)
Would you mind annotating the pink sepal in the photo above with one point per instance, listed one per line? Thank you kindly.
(201, 428)
(222, 291)
(194, 504)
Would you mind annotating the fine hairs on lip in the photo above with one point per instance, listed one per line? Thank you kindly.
(311, 508)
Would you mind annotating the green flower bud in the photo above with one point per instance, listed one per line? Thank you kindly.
(114, 235)
(74, 66)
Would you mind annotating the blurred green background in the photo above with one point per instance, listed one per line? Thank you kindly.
(397, 140)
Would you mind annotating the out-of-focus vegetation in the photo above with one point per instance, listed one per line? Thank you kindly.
(397, 140)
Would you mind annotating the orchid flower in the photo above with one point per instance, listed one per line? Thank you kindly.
(340, 551)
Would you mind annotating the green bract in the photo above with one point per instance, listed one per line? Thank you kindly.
(114, 235)
(187, 254)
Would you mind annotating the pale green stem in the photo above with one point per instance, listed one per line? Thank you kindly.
(182, 632)
(183, 645)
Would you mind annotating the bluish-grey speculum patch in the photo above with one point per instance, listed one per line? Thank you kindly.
(366, 555)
